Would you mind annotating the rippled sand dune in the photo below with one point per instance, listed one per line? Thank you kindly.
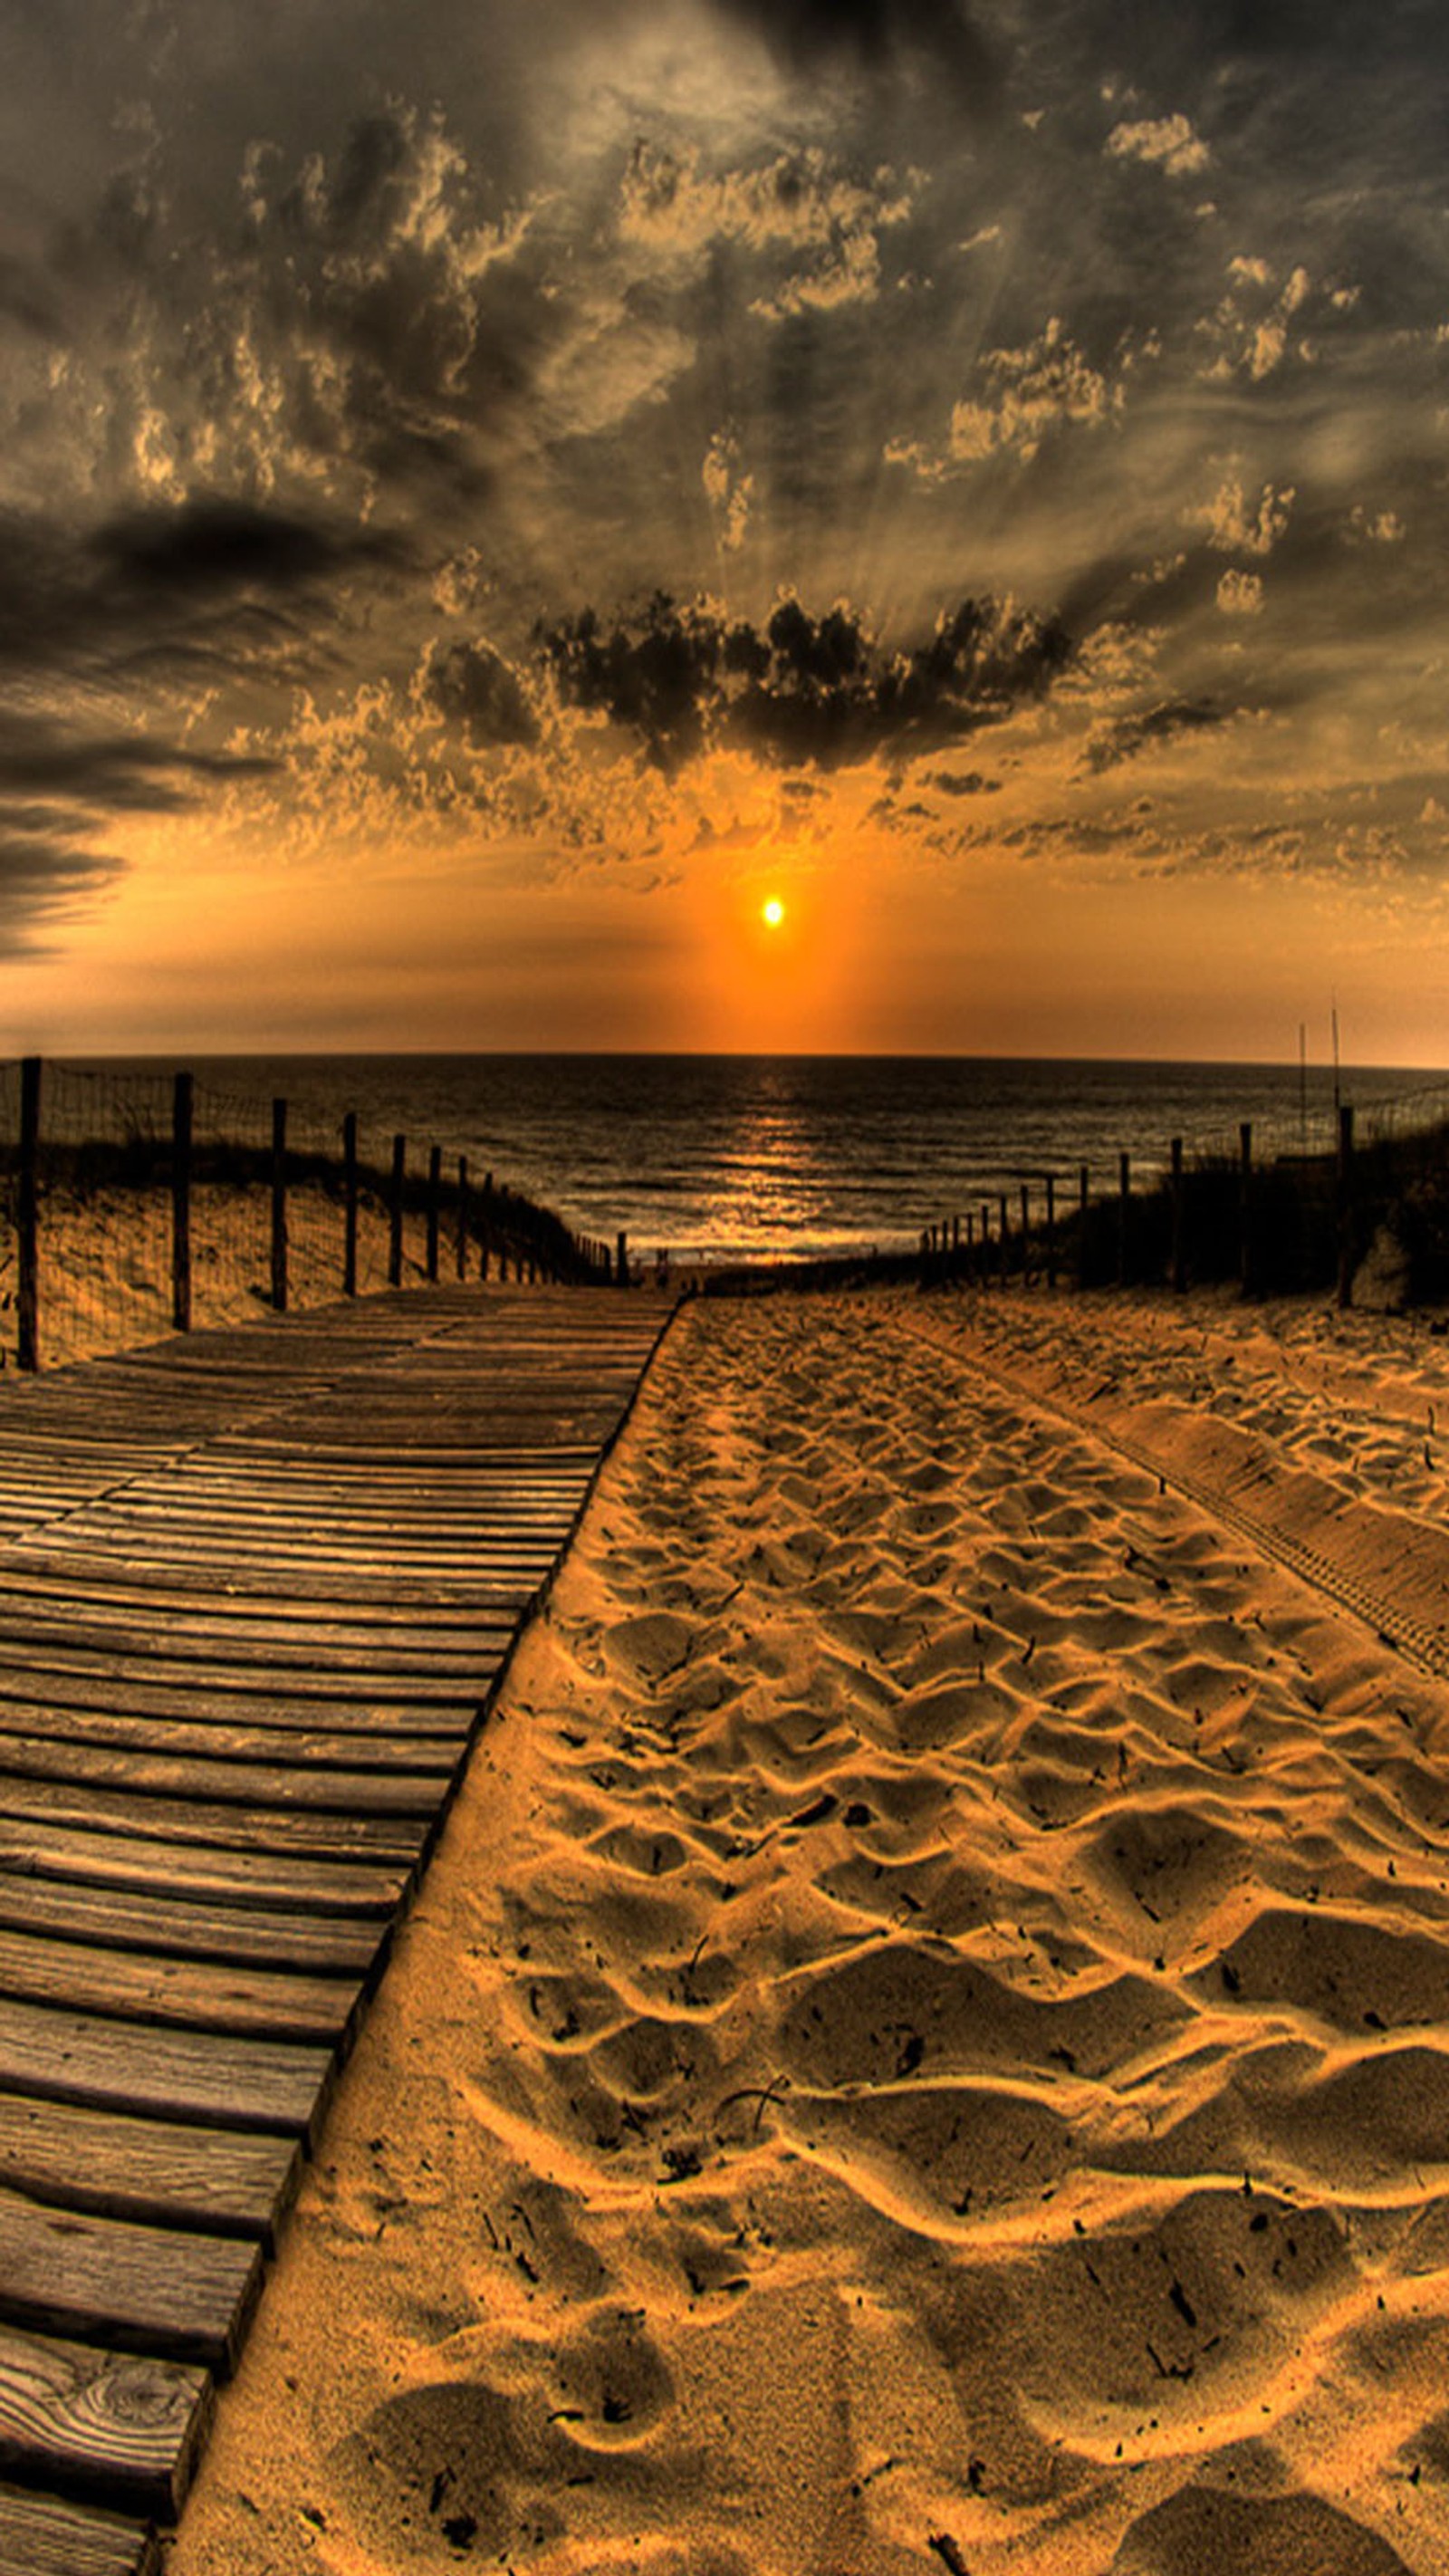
(926, 2044)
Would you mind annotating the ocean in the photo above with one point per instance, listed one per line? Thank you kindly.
(719, 1158)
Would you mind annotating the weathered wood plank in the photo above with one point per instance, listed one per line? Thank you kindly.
(89, 2421)
(180, 2297)
(44, 2535)
(432, 1757)
(200, 1873)
(184, 1993)
(62, 1656)
(238, 1641)
(118, 1918)
(267, 2085)
(385, 1841)
(256, 1703)
(225, 2182)
(382, 1791)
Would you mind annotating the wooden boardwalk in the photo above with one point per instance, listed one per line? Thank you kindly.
(255, 1588)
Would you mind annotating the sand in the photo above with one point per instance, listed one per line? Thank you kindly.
(926, 2042)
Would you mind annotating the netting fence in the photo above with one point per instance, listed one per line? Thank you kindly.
(133, 1203)
(1282, 1206)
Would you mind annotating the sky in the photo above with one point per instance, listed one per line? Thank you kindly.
(494, 493)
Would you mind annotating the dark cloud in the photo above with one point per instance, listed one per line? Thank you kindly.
(876, 32)
(800, 690)
(475, 688)
(120, 772)
(965, 782)
(41, 874)
(61, 785)
(1123, 739)
(209, 581)
(209, 544)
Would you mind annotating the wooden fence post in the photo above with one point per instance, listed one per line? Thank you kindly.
(435, 1184)
(1051, 1230)
(1124, 1216)
(462, 1216)
(279, 1206)
(1245, 1207)
(485, 1226)
(1344, 1195)
(395, 1212)
(182, 1096)
(27, 1218)
(349, 1204)
(1025, 1234)
(1005, 1235)
(985, 1241)
(1084, 1193)
(1178, 1264)
(621, 1262)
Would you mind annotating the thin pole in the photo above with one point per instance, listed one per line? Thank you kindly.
(1179, 1254)
(181, 1123)
(1344, 1178)
(349, 1204)
(1051, 1230)
(27, 1218)
(1084, 1185)
(435, 1182)
(395, 1212)
(462, 1216)
(1124, 1213)
(279, 1206)
(1245, 1207)
(485, 1223)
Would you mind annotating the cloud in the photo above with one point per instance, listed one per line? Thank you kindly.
(799, 690)
(728, 488)
(1128, 735)
(1253, 320)
(795, 204)
(473, 687)
(1168, 142)
(876, 33)
(1232, 528)
(1240, 594)
(217, 545)
(1040, 388)
(42, 874)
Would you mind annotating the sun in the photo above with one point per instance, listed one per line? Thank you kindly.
(772, 912)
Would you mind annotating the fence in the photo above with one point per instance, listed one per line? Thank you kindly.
(132, 1204)
(1304, 1215)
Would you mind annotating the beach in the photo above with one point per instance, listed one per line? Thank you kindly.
(924, 2042)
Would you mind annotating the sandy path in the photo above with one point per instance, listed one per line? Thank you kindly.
(927, 2042)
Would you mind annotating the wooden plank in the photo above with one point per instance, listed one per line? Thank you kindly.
(225, 2182)
(385, 1841)
(116, 1918)
(266, 2085)
(201, 1873)
(302, 1680)
(432, 1757)
(240, 1641)
(252, 1703)
(88, 2421)
(154, 2290)
(48, 2536)
(329, 1582)
(185, 1993)
(234, 1781)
